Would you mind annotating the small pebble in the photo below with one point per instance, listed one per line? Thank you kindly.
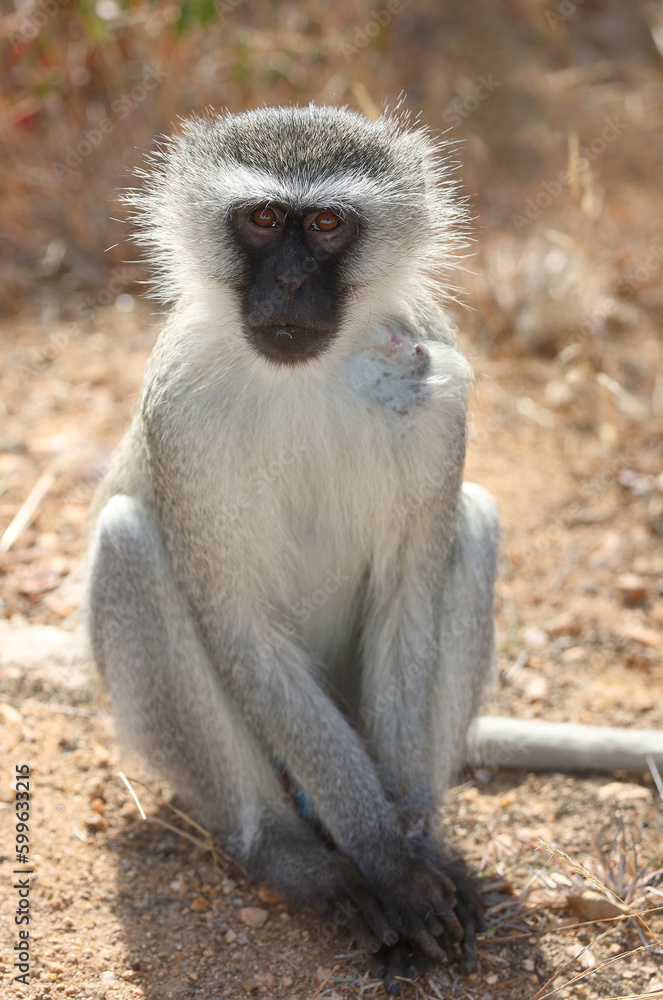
(253, 916)
(631, 589)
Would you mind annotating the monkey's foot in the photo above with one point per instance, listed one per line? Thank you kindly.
(410, 958)
(434, 905)
(299, 868)
(397, 965)
(355, 910)
(469, 911)
(466, 901)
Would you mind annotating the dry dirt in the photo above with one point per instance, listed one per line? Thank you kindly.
(125, 909)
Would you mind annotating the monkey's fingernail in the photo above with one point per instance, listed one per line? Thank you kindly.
(469, 962)
(391, 938)
(374, 944)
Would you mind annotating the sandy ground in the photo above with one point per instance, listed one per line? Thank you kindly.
(120, 908)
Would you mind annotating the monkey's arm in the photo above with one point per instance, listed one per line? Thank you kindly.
(272, 684)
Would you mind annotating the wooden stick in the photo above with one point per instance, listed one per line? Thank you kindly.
(23, 517)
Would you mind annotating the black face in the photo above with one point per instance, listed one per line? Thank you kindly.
(292, 288)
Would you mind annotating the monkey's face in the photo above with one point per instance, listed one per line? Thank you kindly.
(292, 286)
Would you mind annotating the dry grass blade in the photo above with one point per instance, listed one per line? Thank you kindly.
(638, 996)
(324, 982)
(575, 866)
(579, 869)
(182, 833)
(133, 794)
(540, 995)
(25, 515)
(584, 924)
(207, 843)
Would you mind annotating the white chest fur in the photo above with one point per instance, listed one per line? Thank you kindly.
(307, 472)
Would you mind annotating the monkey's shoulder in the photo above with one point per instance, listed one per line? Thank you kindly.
(403, 375)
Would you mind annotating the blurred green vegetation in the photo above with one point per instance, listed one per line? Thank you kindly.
(526, 87)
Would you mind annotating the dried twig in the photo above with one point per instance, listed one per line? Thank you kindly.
(26, 513)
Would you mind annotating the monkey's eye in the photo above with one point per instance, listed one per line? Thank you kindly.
(325, 222)
(265, 217)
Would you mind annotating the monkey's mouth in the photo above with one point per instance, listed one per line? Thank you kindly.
(287, 344)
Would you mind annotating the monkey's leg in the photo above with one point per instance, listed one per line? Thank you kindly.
(417, 717)
(466, 636)
(465, 662)
(170, 707)
(466, 657)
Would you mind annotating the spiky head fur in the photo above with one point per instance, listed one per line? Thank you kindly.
(392, 175)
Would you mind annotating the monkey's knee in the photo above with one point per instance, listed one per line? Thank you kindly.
(469, 583)
(477, 536)
(128, 562)
(127, 537)
(480, 513)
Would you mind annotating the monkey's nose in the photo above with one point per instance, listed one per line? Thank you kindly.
(291, 282)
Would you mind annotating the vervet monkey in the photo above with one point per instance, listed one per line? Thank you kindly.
(290, 588)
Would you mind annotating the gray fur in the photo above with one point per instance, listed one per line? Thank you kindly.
(285, 571)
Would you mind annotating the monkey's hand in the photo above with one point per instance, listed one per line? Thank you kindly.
(432, 902)
(348, 904)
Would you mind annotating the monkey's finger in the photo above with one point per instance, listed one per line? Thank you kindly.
(470, 908)
(440, 908)
(373, 916)
(468, 961)
(449, 947)
(445, 883)
(379, 963)
(418, 965)
(398, 969)
(434, 925)
(393, 964)
(362, 935)
(476, 912)
(419, 933)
